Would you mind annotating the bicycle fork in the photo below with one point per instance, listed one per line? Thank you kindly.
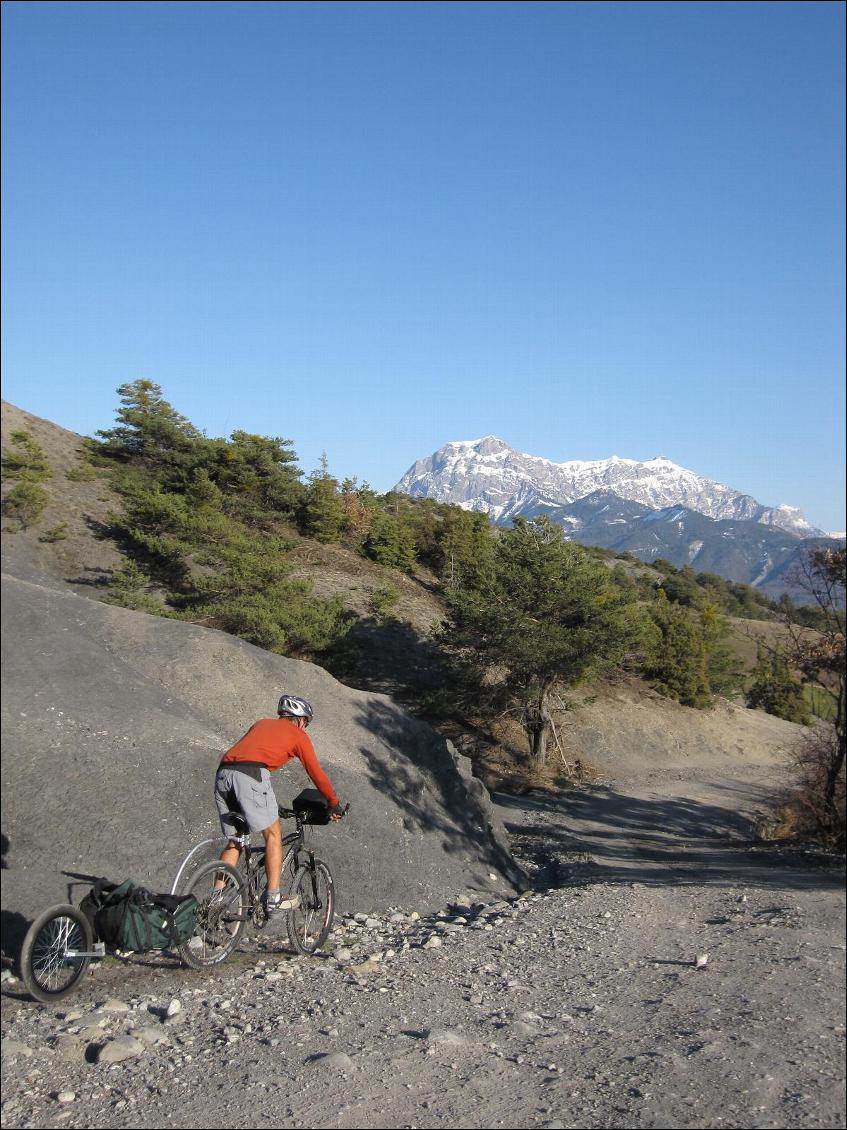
(313, 874)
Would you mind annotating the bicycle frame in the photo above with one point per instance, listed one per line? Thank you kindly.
(291, 845)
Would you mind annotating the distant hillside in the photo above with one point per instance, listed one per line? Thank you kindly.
(655, 509)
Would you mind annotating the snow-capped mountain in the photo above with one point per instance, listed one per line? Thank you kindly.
(488, 475)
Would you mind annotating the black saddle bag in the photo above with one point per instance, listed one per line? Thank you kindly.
(129, 917)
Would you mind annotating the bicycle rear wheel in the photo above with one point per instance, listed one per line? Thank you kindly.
(221, 915)
(309, 923)
(48, 972)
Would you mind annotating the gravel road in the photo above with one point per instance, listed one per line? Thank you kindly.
(669, 979)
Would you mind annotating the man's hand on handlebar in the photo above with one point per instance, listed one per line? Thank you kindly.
(338, 812)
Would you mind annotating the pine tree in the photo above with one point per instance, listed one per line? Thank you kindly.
(357, 504)
(467, 546)
(775, 689)
(149, 427)
(259, 473)
(25, 462)
(324, 511)
(677, 659)
(391, 542)
(723, 666)
(542, 613)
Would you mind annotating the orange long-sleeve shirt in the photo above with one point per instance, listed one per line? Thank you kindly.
(274, 741)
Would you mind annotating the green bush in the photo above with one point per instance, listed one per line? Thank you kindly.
(775, 689)
(676, 656)
(57, 533)
(391, 542)
(384, 601)
(26, 460)
(129, 587)
(81, 473)
(23, 504)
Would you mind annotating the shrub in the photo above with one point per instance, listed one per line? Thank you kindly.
(23, 504)
(26, 460)
(775, 690)
(57, 533)
(81, 473)
(677, 659)
(815, 807)
(383, 601)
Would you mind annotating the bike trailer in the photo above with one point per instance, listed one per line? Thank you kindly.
(311, 806)
(129, 917)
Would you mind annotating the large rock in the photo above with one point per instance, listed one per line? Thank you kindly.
(114, 723)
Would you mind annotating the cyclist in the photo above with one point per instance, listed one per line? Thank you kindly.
(242, 783)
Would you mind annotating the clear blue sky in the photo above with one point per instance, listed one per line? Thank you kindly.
(590, 229)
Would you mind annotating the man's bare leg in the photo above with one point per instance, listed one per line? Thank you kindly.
(273, 870)
(273, 855)
(230, 855)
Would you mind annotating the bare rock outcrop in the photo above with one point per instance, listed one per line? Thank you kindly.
(114, 722)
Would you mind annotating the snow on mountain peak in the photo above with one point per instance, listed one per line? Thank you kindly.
(488, 475)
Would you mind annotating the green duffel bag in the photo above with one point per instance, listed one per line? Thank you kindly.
(128, 917)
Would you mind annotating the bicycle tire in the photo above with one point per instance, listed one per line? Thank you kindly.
(220, 918)
(310, 922)
(47, 973)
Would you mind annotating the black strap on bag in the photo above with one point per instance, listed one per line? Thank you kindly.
(148, 903)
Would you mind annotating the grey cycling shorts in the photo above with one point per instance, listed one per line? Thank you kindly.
(255, 799)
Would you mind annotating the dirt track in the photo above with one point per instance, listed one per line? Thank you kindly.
(579, 1005)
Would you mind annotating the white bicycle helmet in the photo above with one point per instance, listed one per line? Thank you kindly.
(290, 706)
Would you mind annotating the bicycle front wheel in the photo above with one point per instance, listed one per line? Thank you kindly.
(310, 922)
(221, 915)
(48, 965)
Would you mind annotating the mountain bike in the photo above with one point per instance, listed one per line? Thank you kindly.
(231, 896)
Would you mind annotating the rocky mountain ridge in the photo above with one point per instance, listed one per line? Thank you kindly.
(653, 509)
(489, 475)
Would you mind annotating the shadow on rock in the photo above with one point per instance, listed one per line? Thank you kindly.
(385, 656)
(420, 774)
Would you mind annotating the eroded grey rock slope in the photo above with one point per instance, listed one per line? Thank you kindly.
(114, 722)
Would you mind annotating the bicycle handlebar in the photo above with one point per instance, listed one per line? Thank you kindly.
(290, 812)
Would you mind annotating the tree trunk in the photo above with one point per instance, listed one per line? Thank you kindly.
(835, 768)
(537, 725)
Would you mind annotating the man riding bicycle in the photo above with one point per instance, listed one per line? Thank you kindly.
(242, 783)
